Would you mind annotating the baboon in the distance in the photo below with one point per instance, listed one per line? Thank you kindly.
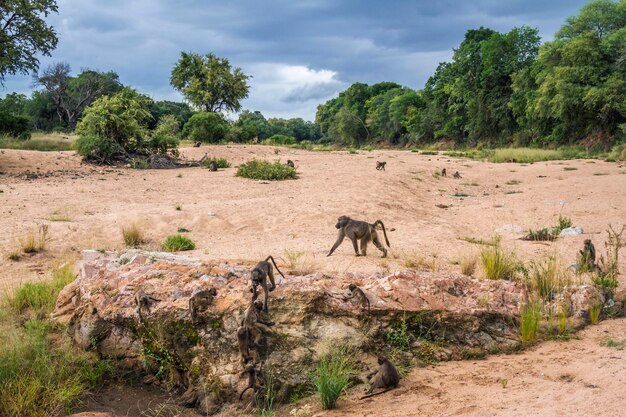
(197, 144)
(359, 230)
(290, 163)
(386, 376)
(588, 256)
(143, 302)
(260, 274)
(380, 165)
(213, 166)
(456, 175)
(200, 300)
(443, 172)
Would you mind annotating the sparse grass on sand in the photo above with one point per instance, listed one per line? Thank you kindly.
(300, 263)
(468, 265)
(35, 240)
(39, 142)
(133, 236)
(267, 171)
(498, 263)
(42, 373)
(176, 243)
(548, 277)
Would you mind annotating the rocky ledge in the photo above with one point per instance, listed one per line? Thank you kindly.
(416, 316)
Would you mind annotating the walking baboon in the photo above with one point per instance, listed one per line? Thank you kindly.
(588, 256)
(357, 297)
(197, 144)
(386, 376)
(200, 300)
(290, 163)
(443, 172)
(456, 175)
(356, 229)
(143, 301)
(213, 166)
(380, 165)
(260, 274)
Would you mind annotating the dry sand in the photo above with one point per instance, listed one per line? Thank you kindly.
(241, 220)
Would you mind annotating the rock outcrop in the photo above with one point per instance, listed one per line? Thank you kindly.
(420, 316)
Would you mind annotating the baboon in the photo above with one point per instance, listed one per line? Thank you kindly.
(143, 301)
(251, 371)
(357, 297)
(380, 165)
(200, 300)
(197, 144)
(356, 229)
(250, 332)
(260, 274)
(456, 175)
(290, 163)
(443, 172)
(588, 256)
(213, 166)
(386, 376)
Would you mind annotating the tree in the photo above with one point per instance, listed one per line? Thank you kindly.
(72, 95)
(24, 34)
(209, 83)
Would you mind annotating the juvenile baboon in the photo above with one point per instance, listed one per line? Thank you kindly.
(356, 229)
(213, 166)
(588, 256)
(380, 165)
(386, 376)
(456, 175)
(200, 300)
(290, 163)
(260, 274)
(251, 371)
(197, 144)
(143, 301)
(250, 332)
(357, 297)
(443, 172)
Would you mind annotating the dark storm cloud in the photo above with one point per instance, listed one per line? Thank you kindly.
(300, 53)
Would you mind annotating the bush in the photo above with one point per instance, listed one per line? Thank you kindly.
(133, 236)
(332, 376)
(282, 140)
(220, 162)
(164, 138)
(206, 127)
(497, 263)
(618, 153)
(264, 170)
(548, 278)
(15, 126)
(175, 243)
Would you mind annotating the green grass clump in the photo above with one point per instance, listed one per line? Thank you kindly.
(264, 170)
(43, 145)
(176, 243)
(429, 153)
(133, 236)
(497, 263)
(529, 321)
(332, 376)
(220, 162)
(40, 297)
(523, 155)
(548, 278)
(549, 233)
(594, 312)
(398, 337)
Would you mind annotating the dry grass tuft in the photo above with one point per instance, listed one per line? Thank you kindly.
(417, 262)
(133, 236)
(468, 265)
(35, 240)
(299, 263)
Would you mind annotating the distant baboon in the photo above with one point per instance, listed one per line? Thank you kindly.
(386, 376)
(197, 144)
(588, 256)
(356, 229)
(200, 300)
(290, 163)
(443, 172)
(261, 272)
(380, 165)
(250, 332)
(143, 301)
(456, 175)
(357, 297)
(213, 166)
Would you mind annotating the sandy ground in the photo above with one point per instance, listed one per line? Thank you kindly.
(241, 220)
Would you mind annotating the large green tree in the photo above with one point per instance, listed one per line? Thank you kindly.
(24, 34)
(209, 83)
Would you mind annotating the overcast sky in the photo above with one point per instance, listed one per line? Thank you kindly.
(299, 52)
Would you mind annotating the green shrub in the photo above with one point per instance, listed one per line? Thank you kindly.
(14, 126)
(40, 297)
(497, 263)
(618, 153)
(547, 278)
(165, 137)
(282, 140)
(529, 321)
(220, 162)
(398, 337)
(264, 170)
(594, 312)
(208, 127)
(332, 376)
(176, 243)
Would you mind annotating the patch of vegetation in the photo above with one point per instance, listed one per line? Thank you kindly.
(267, 171)
(478, 241)
(460, 195)
(133, 236)
(176, 243)
(471, 184)
(35, 240)
(420, 263)
(39, 297)
(606, 273)
(59, 216)
(139, 164)
(594, 312)
(549, 234)
(614, 344)
(220, 162)
(513, 182)
(497, 263)
(398, 336)
(569, 168)
(530, 316)
(618, 153)
(597, 174)
(43, 145)
(429, 153)
(468, 265)
(548, 278)
(332, 375)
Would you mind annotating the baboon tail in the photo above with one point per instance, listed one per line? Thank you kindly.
(384, 231)
(275, 266)
(243, 392)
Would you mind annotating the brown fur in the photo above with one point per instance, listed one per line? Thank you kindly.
(290, 163)
(456, 175)
(443, 172)
(260, 274)
(588, 255)
(359, 230)
(358, 297)
(380, 165)
(212, 166)
(386, 376)
(200, 300)
(143, 302)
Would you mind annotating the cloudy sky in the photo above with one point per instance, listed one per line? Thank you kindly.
(299, 52)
